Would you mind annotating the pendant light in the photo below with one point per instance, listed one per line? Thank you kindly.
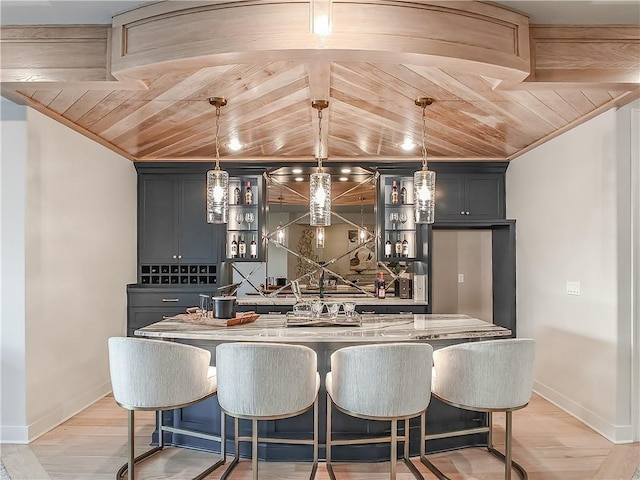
(320, 182)
(424, 180)
(217, 180)
(362, 232)
(280, 233)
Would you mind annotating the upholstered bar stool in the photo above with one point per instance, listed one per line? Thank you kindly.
(387, 382)
(267, 381)
(488, 376)
(158, 375)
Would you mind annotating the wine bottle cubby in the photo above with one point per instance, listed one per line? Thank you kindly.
(178, 274)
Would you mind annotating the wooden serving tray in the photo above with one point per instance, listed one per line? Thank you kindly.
(198, 318)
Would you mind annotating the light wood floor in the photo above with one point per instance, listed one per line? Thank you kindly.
(550, 444)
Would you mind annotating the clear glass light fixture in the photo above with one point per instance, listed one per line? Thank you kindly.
(280, 231)
(424, 180)
(362, 232)
(320, 182)
(319, 237)
(217, 180)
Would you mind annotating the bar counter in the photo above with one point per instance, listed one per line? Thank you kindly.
(436, 329)
(374, 328)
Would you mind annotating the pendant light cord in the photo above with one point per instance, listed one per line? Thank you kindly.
(320, 140)
(424, 137)
(217, 132)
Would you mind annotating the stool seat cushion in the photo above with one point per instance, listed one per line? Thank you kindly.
(491, 375)
(266, 379)
(381, 381)
(158, 375)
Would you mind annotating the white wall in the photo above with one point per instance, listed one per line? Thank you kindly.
(469, 253)
(570, 197)
(13, 151)
(80, 252)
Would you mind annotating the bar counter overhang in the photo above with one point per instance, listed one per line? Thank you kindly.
(438, 330)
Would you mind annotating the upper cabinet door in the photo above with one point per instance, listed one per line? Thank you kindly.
(196, 237)
(449, 196)
(484, 194)
(158, 219)
(469, 196)
(173, 226)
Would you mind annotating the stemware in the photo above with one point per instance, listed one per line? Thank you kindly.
(240, 219)
(403, 217)
(249, 217)
(393, 218)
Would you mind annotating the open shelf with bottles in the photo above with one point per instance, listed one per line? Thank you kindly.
(244, 228)
(396, 219)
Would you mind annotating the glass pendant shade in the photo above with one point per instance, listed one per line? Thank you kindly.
(424, 191)
(320, 199)
(280, 234)
(319, 237)
(362, 235)
(217, 196)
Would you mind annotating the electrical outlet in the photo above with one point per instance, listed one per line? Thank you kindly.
(461, 278)
(573, 288)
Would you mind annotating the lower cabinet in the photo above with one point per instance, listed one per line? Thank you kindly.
(147, 305)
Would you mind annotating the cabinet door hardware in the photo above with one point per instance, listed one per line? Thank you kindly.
(170, 300)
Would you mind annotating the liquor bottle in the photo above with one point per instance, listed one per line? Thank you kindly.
(403, 194)
(394, 192)
(248, 194)
(253, 247)
(242, 247)
(236, 196)
(398, 249)
(380, 287)
(234, 248)
(405, 247)
(387, 248)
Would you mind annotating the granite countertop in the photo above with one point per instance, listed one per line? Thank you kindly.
(374, 328)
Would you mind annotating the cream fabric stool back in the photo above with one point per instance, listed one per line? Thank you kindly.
(380, 382)
(488, 376)
(157, 375)
(267, 381)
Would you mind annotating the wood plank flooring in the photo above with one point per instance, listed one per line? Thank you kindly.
(549, 443)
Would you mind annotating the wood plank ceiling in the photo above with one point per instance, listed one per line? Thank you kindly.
(158, 110)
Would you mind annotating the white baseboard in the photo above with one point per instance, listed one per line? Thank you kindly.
(64, 412)
(617, 434)
(14, 434)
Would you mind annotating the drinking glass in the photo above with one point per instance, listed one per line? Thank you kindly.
(393, 218)
(403, 217)
(316, 308)
(349, 308)
(333, 309)
(249, 218)
(204, 304)
(240, 219)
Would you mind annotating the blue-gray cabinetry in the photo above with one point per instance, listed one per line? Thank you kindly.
(176, 245)
(469, 191)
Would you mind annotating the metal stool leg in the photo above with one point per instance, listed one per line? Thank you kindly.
(509, 463)
(423, 456)
(332, 475)
(129, 466)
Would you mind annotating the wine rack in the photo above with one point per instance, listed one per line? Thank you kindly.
(245, 219)
(397, 222)
(178, 274)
